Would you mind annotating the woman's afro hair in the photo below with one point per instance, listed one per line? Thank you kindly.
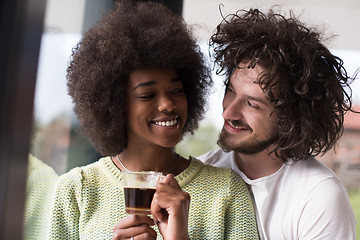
(132, 37)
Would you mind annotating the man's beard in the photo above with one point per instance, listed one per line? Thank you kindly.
(252, 146)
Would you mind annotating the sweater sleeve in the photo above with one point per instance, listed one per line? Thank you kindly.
(39, 192)
(240, 221)
(65, 209)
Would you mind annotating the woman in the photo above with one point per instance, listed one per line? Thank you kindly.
(139, 82)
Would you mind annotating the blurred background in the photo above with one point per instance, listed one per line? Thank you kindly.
(55, 138)
(54, 128)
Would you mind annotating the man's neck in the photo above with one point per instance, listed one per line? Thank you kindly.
(258, 165)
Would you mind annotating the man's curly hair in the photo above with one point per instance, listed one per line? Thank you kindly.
(303, 79)
(132, 37)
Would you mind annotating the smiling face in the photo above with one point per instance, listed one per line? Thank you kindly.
(157, 107)
(249, 126)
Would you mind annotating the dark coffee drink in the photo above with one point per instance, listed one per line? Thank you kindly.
(138, 200)
(139, 189)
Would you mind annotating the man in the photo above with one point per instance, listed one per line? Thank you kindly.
(284, 104)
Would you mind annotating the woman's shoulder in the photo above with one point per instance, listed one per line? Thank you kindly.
(219, 175)
(217, 182)
(77, 175)
(215, 171)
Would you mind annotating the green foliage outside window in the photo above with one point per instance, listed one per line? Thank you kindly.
(202, 141)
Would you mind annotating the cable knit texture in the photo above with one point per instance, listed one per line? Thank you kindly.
(89, 201)
(39, 192)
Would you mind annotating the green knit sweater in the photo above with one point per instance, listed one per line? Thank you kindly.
(39, 192)
(89, 201)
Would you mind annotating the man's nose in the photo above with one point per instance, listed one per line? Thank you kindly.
(232, 109)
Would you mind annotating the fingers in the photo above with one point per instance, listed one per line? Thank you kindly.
(168, 186)
(142, 231)
(170, 209)
(156, 210)
(169, 199)
(136, 226)
(133, 220)
(169, 179)
(143, 236)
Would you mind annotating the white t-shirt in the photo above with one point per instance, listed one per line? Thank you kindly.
(302, 200)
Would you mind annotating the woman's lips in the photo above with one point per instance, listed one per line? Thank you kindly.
(167, 123)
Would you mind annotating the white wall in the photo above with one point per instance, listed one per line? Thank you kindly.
(334, 17)
(338, 17)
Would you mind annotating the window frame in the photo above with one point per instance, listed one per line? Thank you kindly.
(21, 27)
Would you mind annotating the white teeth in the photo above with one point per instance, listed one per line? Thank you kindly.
(167, 123)
(232, 125)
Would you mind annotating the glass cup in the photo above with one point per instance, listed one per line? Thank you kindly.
(139, 189)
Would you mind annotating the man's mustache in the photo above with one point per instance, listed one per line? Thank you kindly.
(239, 123)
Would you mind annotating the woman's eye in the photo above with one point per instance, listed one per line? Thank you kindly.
(178, 91)
(147, 96)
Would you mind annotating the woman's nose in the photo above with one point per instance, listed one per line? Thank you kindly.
(166, 104)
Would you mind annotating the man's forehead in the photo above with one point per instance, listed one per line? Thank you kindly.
(254, 73)
(253, 85)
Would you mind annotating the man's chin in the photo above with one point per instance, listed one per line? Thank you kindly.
(245, 147)
(226, 143)
(241, 148)
(224, 146)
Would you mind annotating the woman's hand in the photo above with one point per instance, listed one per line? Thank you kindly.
(170, 209)
(136, 226)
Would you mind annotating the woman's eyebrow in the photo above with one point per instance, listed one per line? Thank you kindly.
(150, 83)
(144, 84)
(177, 79)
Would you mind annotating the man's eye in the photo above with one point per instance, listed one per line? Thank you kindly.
(252, 105)
(229, 89)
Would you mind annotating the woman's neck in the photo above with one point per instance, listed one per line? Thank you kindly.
(157, 159)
